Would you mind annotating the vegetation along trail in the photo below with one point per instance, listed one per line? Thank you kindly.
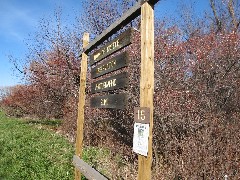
(29, 152)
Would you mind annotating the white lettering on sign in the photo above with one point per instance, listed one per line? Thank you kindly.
(141, 115)
(96, 55)
(107, 66)
(104, 102)
(111, 47)
(106, 84)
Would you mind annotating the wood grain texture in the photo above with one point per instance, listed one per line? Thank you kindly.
(147, 82)
(87, 170)
(113, 101)
(112, 46)
(81, 104)
(111, 65)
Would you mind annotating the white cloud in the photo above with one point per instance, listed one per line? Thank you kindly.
(16, 35)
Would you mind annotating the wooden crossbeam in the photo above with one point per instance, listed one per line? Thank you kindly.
(126, 18)
(87, 170)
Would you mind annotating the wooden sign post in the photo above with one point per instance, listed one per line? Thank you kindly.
(81, 104)
(147, 82)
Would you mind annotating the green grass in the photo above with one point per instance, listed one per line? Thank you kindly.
(31, 149)
(27, 152)
(96, 157)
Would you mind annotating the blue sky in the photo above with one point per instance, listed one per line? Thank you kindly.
(20, 18)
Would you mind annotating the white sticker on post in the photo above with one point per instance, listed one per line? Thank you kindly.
(140, 138)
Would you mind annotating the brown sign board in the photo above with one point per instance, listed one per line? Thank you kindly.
(111, 83)
(116, 44)
(142, 115)
(113, 101)
(111, 65)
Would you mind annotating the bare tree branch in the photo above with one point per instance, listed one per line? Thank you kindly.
(218, 21)
(232, 14)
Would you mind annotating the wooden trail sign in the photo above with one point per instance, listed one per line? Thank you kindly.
(145, 8)
(111, 83)
(114, 101)
(116, 44)
(111, 65)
